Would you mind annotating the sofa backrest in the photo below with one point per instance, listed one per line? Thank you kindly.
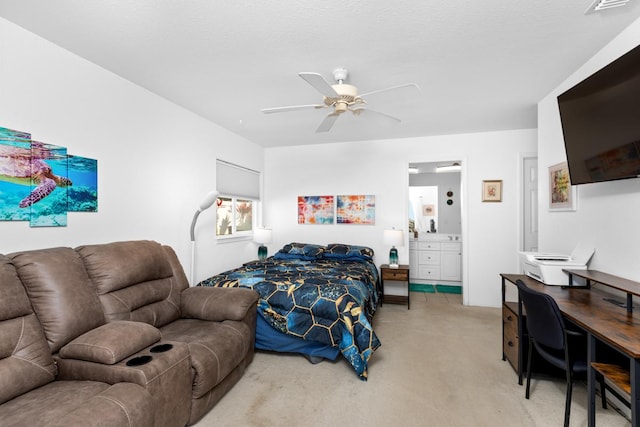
(136, 280)
(60, 292)
(25, 358)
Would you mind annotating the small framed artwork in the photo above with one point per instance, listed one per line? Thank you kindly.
(492, 190)
(562, 195)
(428, 210)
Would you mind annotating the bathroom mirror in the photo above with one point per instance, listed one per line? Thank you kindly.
(434, 198)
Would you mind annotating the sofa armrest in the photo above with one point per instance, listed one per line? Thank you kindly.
(217, 304)
(110, 343)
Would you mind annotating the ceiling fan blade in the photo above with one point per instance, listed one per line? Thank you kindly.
(369, 112)
(406, 85)
(319, 83)
(328, 122)
(292, 108)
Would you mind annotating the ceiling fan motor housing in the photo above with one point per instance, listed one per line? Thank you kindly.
(347, 95)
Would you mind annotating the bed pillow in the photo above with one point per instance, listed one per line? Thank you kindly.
(341, 251)
(304, 251)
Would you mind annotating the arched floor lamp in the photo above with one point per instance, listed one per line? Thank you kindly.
(206, 203)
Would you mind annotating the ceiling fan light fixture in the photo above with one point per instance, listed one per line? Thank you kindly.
(454, 167)
(599, 5)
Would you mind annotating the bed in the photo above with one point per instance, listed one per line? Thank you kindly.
(315, 300)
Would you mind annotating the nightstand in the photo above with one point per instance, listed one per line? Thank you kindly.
(400, 274)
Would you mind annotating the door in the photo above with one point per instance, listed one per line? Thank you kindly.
(530, 201)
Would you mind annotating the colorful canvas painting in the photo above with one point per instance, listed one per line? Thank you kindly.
(356, 209)
(36, 181)
(315, 209)
(83, 195)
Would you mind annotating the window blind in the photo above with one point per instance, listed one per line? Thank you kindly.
(238, 181)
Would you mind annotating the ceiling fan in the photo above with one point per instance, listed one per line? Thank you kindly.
(340, 97)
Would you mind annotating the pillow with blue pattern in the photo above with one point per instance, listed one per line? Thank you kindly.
(304, 251)
(342, 251)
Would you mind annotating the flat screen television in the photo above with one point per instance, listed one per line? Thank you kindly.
(601, 123)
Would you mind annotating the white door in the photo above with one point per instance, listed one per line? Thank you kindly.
(530, 200)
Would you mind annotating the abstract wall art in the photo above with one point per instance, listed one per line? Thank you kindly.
(356, 209)
(315, 209)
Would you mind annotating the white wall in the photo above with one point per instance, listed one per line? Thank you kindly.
(381, 168)
(607, 213)
(156, 161)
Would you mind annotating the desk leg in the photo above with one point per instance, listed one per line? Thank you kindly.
(591, 381)
(521, 341)
(635, 403)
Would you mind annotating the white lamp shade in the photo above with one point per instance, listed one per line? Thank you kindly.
(393, 237)
(208, 200)
(262, 235)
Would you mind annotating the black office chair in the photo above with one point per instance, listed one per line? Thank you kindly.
(563, 348)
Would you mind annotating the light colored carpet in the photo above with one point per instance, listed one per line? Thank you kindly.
(440, 364)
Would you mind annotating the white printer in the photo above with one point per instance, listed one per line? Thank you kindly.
(547, 267)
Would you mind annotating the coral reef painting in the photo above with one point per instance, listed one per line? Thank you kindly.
(40, 182)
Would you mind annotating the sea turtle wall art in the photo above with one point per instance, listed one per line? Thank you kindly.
(40, 182)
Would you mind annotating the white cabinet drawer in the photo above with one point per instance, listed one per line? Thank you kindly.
(429, 246)
(454, 246)
(429, 272)
(428, 257)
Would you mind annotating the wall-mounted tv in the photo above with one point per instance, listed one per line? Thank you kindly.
(601, 123)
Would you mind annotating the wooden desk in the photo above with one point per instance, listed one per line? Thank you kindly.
(603, 321)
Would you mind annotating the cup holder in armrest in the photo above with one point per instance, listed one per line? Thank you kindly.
(161, 348)
(140, 360)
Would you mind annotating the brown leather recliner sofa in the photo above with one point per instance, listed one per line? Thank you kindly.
(112, 335)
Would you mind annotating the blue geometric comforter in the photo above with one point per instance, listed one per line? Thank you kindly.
(331, 301)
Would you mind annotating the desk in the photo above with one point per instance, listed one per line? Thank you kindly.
(604, 322)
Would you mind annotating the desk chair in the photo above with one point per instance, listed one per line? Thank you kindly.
(563, 348)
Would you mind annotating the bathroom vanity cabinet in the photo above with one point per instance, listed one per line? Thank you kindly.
(435, 259)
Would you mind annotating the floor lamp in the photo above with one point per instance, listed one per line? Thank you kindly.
(206, 203)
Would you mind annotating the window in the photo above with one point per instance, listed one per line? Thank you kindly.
(234, 216)
(236, 207)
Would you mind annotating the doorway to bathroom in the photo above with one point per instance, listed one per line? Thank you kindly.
(436, 227)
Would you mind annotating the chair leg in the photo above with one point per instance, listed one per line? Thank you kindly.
(567, 406)
(526, 394)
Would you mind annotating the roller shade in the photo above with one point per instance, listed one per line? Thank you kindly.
(234, 180)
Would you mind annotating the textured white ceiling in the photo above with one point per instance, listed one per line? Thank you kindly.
(480, 65)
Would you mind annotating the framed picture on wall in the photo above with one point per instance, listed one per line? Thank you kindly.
(492, 190)
(562, 195)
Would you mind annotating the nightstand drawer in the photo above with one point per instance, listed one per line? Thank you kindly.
(392, 274)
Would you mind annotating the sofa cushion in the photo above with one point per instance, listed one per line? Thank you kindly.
(60, 292)
(217, 304)
(25, 359)
(81, 404)
(134, 280)
(216, 348)
(110, 343)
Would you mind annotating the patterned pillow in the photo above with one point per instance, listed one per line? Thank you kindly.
(341, 251)
(305, 251)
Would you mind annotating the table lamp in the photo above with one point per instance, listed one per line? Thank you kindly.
(262, 236)
(393, 238)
